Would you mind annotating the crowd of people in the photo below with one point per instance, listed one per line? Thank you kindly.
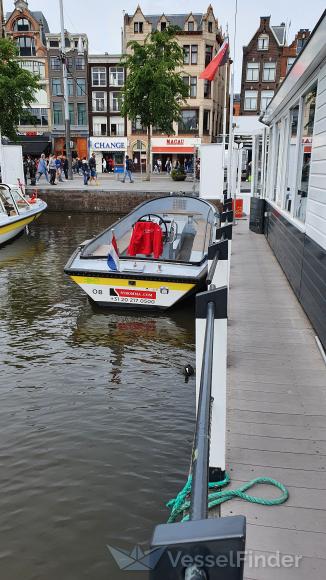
(54, 169)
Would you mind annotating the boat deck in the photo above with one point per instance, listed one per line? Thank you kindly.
(276, 418)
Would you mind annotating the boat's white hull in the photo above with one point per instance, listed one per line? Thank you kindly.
(137, 293)
(11, 228)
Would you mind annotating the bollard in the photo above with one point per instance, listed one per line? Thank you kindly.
(212, 549)
(227, 216)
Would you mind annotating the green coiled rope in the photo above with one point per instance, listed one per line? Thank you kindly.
(181, 503)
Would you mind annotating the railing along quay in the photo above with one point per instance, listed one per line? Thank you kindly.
(203, 548)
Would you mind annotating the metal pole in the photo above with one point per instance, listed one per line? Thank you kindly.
(65, 92)
(199, 496)
(230, 149)
(225, 114)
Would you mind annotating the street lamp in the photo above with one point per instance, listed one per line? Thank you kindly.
(63, 57)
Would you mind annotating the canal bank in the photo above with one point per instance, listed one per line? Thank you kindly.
(94, 201)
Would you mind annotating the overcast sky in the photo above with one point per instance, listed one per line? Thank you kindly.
(102, 19)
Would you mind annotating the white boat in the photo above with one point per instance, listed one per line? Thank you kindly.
(167, 273)
(17, 211)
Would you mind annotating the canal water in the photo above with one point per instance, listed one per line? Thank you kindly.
(96, 420)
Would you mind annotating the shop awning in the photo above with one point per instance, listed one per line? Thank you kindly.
(34, 144)
(173, 150)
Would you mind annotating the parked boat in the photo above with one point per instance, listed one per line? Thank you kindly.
(17, 211)
(162, 249)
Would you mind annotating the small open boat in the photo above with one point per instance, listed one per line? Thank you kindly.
(162, 249)
(16, 211)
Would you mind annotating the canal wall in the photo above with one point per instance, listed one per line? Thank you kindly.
(80, 201)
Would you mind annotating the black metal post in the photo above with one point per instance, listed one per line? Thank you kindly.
(199, 496)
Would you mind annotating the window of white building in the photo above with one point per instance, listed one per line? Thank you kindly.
(306, 136)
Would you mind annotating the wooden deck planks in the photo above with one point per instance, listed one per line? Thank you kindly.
(276, 418)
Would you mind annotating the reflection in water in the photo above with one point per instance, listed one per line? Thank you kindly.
(96, 420)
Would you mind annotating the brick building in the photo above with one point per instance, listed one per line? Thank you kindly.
(76, 46)
(261, 67)
(266, 60)
(28, 29)
(202, 117)
(290, 53)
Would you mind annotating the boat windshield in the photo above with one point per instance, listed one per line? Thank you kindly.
(186, 224)
(12, 201)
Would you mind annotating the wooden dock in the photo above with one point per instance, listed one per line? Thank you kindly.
(276, 418)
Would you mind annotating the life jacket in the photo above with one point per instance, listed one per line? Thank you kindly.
(147, 239)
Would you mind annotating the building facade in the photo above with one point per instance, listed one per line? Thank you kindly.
(290, 53)
(28, 29)
(76, 47)
(295, 183)
(107, 127)
(266, 61)
(202, 117)
(261, 67)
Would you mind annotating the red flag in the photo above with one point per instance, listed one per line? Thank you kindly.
(114, 243)
(219, 60)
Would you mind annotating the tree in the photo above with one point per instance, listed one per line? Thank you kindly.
(17, 89)
(154, 91)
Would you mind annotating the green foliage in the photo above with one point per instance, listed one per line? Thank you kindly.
(178, 174)
(154, 90)
(17, 88)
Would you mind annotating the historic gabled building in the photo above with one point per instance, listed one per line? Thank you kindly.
(28, 29)
(202, 117)
(76, 47)
(266, 61)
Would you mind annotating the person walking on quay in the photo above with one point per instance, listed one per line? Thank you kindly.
(104, 165)
(25, 166)
(128, 170)
(32, 170)
(85, 170)
(65, 166)
(92, 168)
(58, 163)
(41, 169)
(168, 165)
(52, 169)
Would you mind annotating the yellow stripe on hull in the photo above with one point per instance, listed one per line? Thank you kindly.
(182, 287)
(18, 224)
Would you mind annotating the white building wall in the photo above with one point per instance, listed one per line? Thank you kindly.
(316, 203)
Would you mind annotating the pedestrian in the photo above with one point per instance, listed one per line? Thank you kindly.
(65, 166)
(104, 165)
(92, 168)
(159, 165)
(58, 163)
(52, 169)
(128, 170)
(41, 169)
(32, 171)
(80, 167)
(111, 165)
(85, 170)
(168, 165)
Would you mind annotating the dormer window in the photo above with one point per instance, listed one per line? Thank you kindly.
(22, 25)
(263, 42)
(210, 26)
(163, 26)
(138, 27)
(191, 26)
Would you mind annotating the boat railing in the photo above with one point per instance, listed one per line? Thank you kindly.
(188, 548)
